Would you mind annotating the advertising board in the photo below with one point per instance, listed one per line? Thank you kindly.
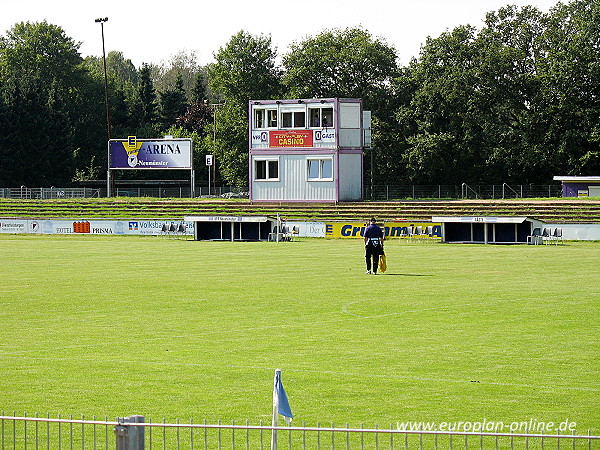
(392, 229)
(101, 226)
(133, 153)
(293, 138)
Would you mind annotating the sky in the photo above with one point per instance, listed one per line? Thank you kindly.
(152, 32)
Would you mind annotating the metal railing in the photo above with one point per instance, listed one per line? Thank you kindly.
(60, 433)
(26, 193)
(182, 192)
(463, 191)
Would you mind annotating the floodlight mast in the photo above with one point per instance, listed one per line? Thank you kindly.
(108, 127)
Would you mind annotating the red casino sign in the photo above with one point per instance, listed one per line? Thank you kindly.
(291, 138)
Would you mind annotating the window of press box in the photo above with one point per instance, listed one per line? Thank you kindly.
(272, 118)
(321, 117)
(293, 119)
(266, 169)
(320, 169)
(265, 118)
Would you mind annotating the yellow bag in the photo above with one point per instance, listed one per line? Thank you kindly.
(382, 264)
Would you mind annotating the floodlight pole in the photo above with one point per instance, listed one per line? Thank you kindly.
(214, 169)
(101, 22)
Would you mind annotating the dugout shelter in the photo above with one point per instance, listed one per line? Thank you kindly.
(487, 230)
(232, 228)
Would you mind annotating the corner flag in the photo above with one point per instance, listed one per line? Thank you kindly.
(280, 399)
(280, 406)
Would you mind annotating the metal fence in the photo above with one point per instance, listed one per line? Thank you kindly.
(464, 191)
(26, 193)
(182, 192)
(378, 193)
(68, 433)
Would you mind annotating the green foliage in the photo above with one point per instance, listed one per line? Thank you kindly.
(173, 103)
(228, 141)
(199, 93)
(245, 69)
(39, 50)
(513, 102)
(119, 69)
(182, 65)
(347, 63)
(147, 96)
(46, 93)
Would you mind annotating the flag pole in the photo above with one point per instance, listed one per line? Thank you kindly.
(274, 420)
(278, 230)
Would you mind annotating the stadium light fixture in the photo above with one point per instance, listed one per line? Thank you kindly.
(101, 22)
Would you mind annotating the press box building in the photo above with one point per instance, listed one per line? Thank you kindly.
(308, 150)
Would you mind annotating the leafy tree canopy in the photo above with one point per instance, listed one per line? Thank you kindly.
(245, 69)
(346, 63)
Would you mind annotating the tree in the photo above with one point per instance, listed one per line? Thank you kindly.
(181, 65)
(147, 98)
(47, 98)
(228, 141)
(340, 63)
(509, 101)
(119, 69)
(570, 75)
(437, 124)
(197, 118)
(173, 103)
(40, 50)
(244, 69)
(199, 91)
(39, 135)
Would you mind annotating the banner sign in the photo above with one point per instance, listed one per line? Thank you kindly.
(392, 229)
(107, 227)
(133, 153)
(291, 138)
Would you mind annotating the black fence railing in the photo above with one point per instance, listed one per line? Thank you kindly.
(27, 193)
(464, 191)
(377, 193)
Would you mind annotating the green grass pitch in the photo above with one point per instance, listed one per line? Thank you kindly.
(115, 326)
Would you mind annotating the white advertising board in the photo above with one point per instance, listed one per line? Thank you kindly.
(107, 227)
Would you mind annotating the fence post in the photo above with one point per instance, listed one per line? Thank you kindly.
(129, 438)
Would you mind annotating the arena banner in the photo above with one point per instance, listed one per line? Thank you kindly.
(392, 229)
(106, 227)
(134, 153)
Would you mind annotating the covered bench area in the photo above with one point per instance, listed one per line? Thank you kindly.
(231, 228)
(487, 230)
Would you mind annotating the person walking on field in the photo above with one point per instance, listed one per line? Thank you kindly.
(373, 246)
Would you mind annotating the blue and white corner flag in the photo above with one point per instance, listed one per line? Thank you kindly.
(280, 400)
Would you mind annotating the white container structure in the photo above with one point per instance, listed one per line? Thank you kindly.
(307, 150)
